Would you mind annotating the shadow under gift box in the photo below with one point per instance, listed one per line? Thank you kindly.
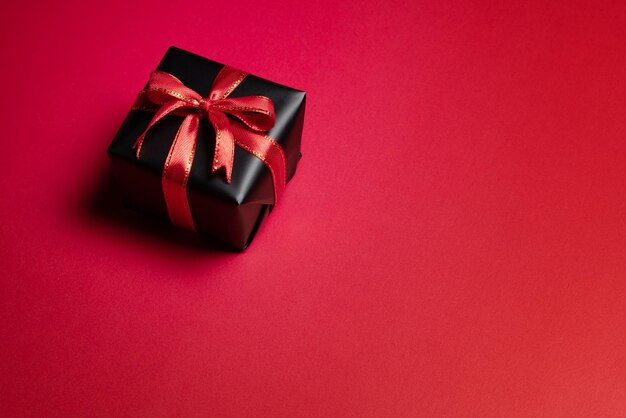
(230, 213)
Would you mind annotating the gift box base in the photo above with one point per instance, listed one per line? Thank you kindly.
(234, 227)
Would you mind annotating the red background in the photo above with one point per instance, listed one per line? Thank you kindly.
(454, 242)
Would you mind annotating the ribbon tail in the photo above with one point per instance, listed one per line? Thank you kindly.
(161, 113)
(176, 172)
(224, 155)
(265, 148)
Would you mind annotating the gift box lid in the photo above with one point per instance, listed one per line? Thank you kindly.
(251, 180)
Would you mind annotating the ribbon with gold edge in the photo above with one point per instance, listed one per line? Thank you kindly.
(252, 116)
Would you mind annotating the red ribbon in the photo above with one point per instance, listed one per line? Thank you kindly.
(253, 117)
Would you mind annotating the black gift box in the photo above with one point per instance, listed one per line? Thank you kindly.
(230, 213)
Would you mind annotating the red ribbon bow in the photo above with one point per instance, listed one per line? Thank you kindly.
(253, 117)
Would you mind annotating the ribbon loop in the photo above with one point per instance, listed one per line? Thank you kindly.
(165, 86)
(257, 112)
(250, 119)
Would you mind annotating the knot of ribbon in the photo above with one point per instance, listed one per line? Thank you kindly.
(250, 119)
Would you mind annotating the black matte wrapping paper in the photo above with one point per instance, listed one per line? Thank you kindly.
(230, 213)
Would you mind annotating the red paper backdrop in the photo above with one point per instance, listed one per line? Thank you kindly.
(454, 242)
